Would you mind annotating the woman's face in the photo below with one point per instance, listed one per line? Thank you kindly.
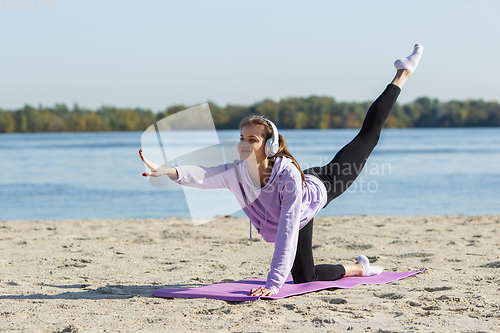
(252, 141)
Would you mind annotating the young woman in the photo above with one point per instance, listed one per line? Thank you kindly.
(280, 199)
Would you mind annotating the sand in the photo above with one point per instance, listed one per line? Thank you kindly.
(98, 275)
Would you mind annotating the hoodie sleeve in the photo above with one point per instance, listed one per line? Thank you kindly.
(203, 177)
(285, 245)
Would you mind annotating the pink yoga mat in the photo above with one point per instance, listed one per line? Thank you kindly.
(240, 290)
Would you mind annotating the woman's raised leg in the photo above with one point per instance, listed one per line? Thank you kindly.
(345, 167)
(341, 172)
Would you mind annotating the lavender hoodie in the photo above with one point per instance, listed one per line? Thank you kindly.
(278, 210)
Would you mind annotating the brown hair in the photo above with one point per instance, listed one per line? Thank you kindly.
(268, 133)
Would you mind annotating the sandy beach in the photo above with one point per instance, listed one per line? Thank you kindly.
(98, 275)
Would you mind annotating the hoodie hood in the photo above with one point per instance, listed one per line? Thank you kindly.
(280, 164)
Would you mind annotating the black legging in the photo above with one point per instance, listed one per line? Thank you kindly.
(337, 176)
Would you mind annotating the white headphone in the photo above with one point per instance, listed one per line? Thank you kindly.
(272, 144)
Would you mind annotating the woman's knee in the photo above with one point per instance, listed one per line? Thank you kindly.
(299, 278)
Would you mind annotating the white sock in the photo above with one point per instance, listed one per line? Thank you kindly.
(368, 270)
(412, 60)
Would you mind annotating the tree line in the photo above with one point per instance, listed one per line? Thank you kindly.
(313, 112)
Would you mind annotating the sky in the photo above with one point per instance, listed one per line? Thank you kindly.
(155, 54)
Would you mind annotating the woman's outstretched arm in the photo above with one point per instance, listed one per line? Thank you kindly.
(285, 244)
(156, 169)
(216, 177)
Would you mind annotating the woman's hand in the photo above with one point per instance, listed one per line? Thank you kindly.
(156, 169)
(261, 292)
